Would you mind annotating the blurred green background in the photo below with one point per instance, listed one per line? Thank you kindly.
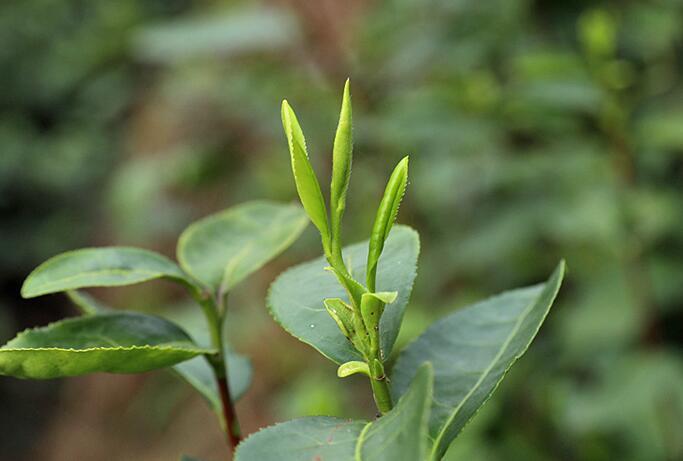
(537, 129)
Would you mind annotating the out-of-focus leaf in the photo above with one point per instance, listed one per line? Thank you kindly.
(229, 34)
(296, 297)
(99, 267)
(645, 387)
(472, 349)
(114, 343)
(223, 249)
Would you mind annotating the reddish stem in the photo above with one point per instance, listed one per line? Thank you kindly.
(232, 427)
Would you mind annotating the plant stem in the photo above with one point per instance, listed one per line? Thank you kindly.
(232, 425)
(215, 312)
(380, 391)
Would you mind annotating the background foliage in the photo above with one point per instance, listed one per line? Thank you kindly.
(536, 130)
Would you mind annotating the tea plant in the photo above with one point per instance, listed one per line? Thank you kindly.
(348, 304)
(439, 381)
(214, 255)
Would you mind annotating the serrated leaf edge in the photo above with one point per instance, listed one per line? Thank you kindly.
(561, 268)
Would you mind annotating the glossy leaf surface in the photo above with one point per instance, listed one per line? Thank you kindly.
(222, 249)
(296, 297)
(99, 267)
(114, 343)
(471, 350)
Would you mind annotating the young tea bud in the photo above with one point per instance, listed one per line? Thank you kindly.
(304, 177)
(341, 170)
(386, 215)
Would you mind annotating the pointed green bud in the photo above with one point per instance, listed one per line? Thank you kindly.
(351, 368)
(341, 170)
(386, 215)
(342, 314)
(304, 177)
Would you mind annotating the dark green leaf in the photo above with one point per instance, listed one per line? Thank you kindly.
(313, 438)
(296, 297)
(114, 343)
(224, 248)
(471, 350)
(99, 267)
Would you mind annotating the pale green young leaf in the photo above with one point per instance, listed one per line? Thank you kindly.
(352, 368)
(472, 349)
(304, 177)
(401, 434)
(312, 438)
(224, 248)
(114, 343)
(386, 215)
(342, 154)
(99, 267)
(296, 297)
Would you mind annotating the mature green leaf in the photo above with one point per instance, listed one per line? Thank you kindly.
(222, 249)
(198, 373)
(189, 458)
(471, 350)
(342, 153)
(401, 434)
(114, 343)
(313, 438)
(304, 177)
(386, 215)
(99, 267)
(296, 297)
